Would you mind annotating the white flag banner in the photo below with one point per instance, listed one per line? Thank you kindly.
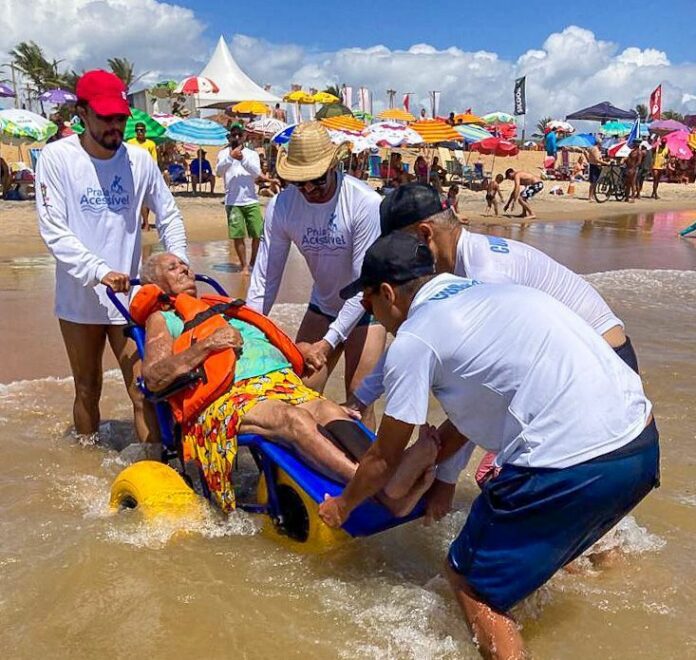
(364, 100)
(347, 96)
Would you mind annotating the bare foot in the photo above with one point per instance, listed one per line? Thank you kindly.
(404, 505)
(419, 456)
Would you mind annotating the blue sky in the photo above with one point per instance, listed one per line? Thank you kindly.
(505, 28)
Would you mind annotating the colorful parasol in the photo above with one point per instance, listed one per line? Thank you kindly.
(251, 108)
(153, 129)
(433, 131)
(343, 123)
(498, 118)
(495, 146)
(196, 85)
(391, 134)
(396, 114)
(299, 96)
(325, 98)
(22, 126)
(468, 118)
(58, 96)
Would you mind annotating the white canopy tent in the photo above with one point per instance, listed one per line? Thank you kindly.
(234, 84)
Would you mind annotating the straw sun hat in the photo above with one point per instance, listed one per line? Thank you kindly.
(310, 153)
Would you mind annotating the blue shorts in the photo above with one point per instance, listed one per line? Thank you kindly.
(529, 522)
(628, 355)
(365, 319)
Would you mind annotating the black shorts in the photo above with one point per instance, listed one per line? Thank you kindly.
(365, 319)
(595, 171)
(628, 355)
(532, 190)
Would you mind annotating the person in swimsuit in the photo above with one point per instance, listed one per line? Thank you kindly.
(526, 186)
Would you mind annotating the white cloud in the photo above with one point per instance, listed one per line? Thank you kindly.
(571, 69)
(160, 38)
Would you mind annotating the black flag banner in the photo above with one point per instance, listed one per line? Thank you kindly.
(520, 98)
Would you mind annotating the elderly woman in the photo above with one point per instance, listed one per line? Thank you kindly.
(266, 397)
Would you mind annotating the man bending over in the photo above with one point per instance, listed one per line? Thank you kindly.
(266, 397)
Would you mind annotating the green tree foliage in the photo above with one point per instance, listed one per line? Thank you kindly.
(673, 114)
(541, 124)
(334, 89)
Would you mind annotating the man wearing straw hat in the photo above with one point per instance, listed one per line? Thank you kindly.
(332, 219)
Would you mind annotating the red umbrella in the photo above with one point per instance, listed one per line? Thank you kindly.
(496, 146)
(197, 85)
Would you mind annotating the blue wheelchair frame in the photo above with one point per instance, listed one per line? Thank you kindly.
(367, 519)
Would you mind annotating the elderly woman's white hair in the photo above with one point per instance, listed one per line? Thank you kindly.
(149, 271)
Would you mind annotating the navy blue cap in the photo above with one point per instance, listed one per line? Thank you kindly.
(408, 204)
(396, 258)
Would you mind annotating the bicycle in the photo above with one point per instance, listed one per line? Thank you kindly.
(610, 182)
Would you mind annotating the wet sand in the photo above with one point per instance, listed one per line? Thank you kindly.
(78, 581)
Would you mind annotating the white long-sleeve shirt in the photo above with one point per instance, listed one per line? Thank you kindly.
(89, 218)
(239, 176)
(332, 237)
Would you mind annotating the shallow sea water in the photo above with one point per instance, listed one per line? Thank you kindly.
(77, 580)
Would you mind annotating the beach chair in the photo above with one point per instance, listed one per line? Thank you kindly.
(288, 493)
(178, 176)
(375, 164)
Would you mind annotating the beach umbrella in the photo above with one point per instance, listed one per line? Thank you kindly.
(196, 85)
(396, 114)
(498, 118)
(165, 119)
(391, 134)
(602, 112)
(6, 91)
(324, 98)
(615, 128)
(251, 108)
(678, 145)
(691, 142)
(433, 131)
(468, 118)
(58, 97)
(343, 123)
(153, 129)
(163, 89)
(563, 126)
(582, 140)
(266, 126)
(472, 133)
(333, 110)
(495, 146)
(22, 126)
(283, 136)
(299, 96)
(202, 132)
(623, 148)
(665, 126)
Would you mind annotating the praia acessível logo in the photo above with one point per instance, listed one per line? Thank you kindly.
(115, 198)
(324, 238)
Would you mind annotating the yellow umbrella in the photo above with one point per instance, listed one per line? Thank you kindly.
(433, 131)
(325, 98)
(396, 113)
(691, 142)
(299, 96)
(251, 108)
(343, 123)
(468, 118)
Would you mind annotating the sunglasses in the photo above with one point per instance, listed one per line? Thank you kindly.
(319, 182)
(139, 130)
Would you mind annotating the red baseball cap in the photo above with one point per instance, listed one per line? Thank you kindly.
(104, 92)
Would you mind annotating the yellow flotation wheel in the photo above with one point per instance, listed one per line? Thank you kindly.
(154, 489)
(303, 530)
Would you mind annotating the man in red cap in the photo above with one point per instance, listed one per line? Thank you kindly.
(90, 189)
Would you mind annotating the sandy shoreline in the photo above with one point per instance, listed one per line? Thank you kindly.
(205, 219)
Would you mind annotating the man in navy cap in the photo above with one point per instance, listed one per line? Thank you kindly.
(417, 209)
(90, 191)
(518, 373)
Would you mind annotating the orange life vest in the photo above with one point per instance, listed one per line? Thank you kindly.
(203, 316)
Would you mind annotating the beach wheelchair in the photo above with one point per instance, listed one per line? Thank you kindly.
(288, 491)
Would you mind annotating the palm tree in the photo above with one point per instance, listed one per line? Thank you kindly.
(125, 70)
(335, 90)
(28, 58)
(642, 111)
(673, 114)
(541, 124)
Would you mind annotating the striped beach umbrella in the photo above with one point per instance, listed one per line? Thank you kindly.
(433, 131)
(22, 126)
(153, 129)
(202, 132)
(396, 114)
(343, 123)
(267, 126)
(468, 118)
(472, 133)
